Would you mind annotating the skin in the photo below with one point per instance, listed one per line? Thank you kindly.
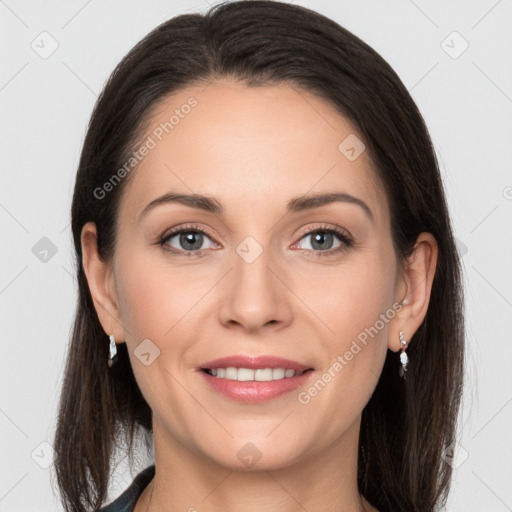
(254, 149)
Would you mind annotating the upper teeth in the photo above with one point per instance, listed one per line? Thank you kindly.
(245, 374)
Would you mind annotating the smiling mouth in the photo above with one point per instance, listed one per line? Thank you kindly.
(250, 374)
(249, 378)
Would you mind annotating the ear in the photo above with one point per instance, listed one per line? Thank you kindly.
(414, 290)
(100, 278)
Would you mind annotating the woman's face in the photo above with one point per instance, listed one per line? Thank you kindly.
(270, 276)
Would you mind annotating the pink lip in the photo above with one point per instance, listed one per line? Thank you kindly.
(255, 391)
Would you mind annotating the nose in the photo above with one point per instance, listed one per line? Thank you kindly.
(255, 295)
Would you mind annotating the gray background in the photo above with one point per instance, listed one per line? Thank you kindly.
(465, 98)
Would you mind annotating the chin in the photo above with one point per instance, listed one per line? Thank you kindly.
(257, 455)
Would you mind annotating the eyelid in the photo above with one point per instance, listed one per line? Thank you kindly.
(325, 227)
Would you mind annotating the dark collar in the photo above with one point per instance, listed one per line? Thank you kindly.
(126, 501)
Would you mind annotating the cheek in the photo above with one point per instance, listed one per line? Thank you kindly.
(355, 304)
(154, 300)
(351, 298)
(155, 296)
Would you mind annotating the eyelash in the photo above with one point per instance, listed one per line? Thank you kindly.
(347, 242)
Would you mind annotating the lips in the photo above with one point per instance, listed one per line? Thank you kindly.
(288, 376)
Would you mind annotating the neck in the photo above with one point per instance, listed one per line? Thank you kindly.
(187, 481)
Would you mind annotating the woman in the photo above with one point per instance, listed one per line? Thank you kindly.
(268, 280)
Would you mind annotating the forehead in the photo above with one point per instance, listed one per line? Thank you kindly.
(249, 145)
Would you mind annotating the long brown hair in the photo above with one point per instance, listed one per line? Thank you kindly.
(407, 424)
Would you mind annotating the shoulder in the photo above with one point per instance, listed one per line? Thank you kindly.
(126, 501)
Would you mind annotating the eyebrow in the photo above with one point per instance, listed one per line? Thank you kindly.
(298, 204)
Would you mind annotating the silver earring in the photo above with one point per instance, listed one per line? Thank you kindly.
(112, 358)
(403, 356)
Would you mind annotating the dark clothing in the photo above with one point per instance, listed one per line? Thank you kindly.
(126, 501)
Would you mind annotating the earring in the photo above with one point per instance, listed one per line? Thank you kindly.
(403, 356)
(112, 358)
